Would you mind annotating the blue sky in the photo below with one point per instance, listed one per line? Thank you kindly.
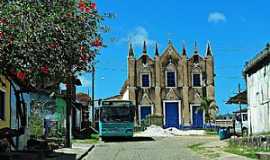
(237, 31)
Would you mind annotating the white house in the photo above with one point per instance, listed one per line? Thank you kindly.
(257, 75)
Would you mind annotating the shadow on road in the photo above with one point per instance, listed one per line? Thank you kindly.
(35, 155)
(130, 139)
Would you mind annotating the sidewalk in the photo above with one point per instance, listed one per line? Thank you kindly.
(77, 152)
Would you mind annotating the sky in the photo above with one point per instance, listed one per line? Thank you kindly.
(237, 31)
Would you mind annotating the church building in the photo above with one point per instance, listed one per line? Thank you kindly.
(170, 85)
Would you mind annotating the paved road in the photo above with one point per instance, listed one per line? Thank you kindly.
(174, 148)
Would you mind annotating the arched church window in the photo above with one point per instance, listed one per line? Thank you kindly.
(196, 77)
(145, 79)
(170, 76)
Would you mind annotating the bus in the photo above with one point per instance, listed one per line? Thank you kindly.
(116, 119)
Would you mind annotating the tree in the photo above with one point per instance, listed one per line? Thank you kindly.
(209, 107)
(45, 42)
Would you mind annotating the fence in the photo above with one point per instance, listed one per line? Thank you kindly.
(255, 142)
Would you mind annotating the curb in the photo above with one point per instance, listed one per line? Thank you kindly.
(89, 150)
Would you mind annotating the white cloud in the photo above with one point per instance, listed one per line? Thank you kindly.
(216, 17)
(138, 36)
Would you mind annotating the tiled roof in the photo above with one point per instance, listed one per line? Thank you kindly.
(239, 98)
(258, 61)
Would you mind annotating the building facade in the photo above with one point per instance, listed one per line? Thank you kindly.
(257, 75)
(170, 85)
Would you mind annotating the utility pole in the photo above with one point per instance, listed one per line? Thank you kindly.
(240, 107)
(93, 94)
(68, 111)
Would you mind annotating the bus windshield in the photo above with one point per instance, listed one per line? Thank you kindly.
(116, 114)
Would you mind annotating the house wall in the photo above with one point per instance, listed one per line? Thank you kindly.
(60, 114)
(258, 89)
(6, 88)
(14, 121)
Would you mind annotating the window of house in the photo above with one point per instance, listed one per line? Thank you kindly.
(196, 80)
(171, 79)
(2, 105)
(145, 80)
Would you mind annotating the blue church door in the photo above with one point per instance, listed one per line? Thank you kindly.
(197, 117)
(171, 114)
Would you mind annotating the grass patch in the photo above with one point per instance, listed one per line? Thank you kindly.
(196, 147)
(205, 152)
(92, 140)
(211, 133)
(243, 150)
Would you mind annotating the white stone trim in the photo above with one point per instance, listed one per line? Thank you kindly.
(139, 110)
(179, 111)
(191, 113)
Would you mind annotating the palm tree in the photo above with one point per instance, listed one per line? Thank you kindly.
(209, 107)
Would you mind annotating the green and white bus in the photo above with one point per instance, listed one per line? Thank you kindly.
(116, 118)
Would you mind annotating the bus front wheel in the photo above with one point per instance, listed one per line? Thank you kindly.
(103, 138)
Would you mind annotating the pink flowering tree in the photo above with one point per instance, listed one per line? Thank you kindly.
(44, 42)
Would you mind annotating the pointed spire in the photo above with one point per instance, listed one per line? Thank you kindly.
(131, 51)
(184, 51)
(170, 42)
(156, 52)
(195, 48)
(144, 47)
(268, 46)
(208, 50)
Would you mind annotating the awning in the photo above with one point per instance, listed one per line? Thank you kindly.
(240, 98)
(242, 111)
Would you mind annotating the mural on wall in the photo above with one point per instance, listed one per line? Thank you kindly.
(47, 116)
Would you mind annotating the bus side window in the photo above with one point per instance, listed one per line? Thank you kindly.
(133, 112)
